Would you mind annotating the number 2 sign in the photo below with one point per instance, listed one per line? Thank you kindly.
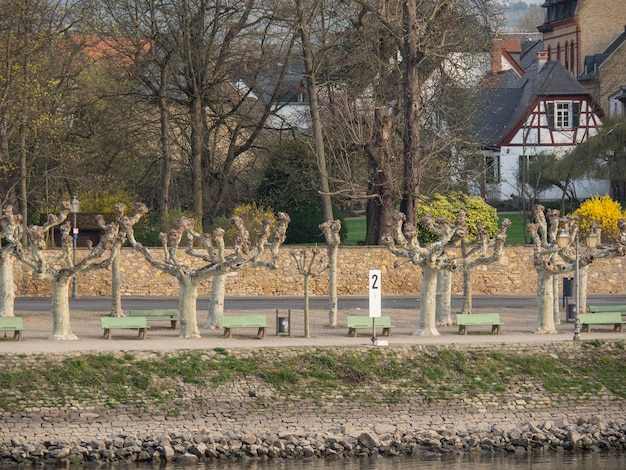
(375, 293)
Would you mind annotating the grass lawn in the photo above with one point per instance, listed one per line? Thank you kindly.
(515, 233)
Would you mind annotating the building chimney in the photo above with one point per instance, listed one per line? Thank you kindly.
(542, 58)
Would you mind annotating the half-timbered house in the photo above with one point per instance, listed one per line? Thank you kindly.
(539, 110)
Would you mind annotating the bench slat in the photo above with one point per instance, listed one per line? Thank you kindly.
(14, 324)
(163, 314)
(607, 308)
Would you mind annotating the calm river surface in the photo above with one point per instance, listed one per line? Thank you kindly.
(587, 461)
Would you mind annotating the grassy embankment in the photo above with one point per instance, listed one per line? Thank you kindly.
(582, 372)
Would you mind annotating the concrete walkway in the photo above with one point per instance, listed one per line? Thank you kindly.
(518, 327)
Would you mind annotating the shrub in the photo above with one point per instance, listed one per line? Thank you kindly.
(605, 211)
(449, 206)
(252, 216)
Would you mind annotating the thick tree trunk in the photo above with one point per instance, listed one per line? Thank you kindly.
(216, 302)
(379, 210)
(444, 298)
(7, 286)
(116, 294)
(187, 304)
(428, 297)
(61, 329)
(410, 98)
(545, 293)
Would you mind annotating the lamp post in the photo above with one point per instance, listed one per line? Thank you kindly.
(591, 240)
(75, 207)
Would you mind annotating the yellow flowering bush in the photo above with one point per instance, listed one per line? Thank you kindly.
(605, 211)
(449, 206)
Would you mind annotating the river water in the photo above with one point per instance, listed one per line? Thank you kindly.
(553, 461)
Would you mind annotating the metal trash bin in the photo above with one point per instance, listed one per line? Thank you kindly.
(571, 312)
(283, 324)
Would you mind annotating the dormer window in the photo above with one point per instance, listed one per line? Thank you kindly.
(563, 114)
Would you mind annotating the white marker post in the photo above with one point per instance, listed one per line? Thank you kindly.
(375, 291)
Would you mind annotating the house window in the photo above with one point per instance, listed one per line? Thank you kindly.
(492, 168)
(563, 114)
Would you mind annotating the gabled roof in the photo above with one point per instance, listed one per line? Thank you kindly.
(500, 109)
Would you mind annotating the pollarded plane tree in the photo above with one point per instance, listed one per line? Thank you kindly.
(331, 230)
(473, 252)
(308, 267)
(11, 231)
(476, 253)
(60, 270)
(243, 256)
(432, 259)
(139, 210)
(548, 262)
(616, 248)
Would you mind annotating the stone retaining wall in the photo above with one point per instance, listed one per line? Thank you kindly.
(244, 418)
(514, 274)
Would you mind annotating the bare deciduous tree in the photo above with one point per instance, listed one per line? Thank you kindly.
(61, 270)
(217, 261)
(11, 231)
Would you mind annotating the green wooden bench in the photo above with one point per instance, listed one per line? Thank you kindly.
(478, 319)
(244, 321)
(603, 318)
(124, 323)
(354, 322)
(14, 324)
(170, 314)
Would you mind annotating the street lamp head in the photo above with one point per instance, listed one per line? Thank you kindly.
(75, 204)
(591, 240)
(562, 239)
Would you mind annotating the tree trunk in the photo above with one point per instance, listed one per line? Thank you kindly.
(545, 294)
(196, 156)
(333, 254)
(583, 274)
(216, 302)
(556, 312)
(410, 98)
(116, 295)
(307, 332)
(443, 308)
(428, 303)
(187, 304)
(7, 286)
(61, 329)
(166, 166)
(467, 290)
(379, 210)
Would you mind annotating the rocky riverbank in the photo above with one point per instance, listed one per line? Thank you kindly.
(337, 402)
(593, 434)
